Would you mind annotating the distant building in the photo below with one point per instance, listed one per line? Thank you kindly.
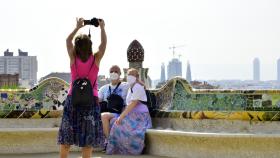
(9, 80)
(188, 73)
(174, 68)
(245, 84)
(24, 65)
(162, 73)
(102, 80)
(62, 75)
(7, 53)
(202, 85)
(256, 69)
(278, 70)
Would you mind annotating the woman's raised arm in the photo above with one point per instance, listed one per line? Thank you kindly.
(102, 47)
(69, 39)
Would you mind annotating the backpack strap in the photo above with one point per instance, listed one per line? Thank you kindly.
(115, 88)
(89, 72)
(94, 84)
(131, 88)
(76, 68)
(143, 102)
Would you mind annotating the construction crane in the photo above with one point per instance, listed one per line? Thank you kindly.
(175, 47)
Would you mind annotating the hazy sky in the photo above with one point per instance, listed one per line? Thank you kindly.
(221, 37)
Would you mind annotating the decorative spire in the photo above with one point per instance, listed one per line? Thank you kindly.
(135, 52)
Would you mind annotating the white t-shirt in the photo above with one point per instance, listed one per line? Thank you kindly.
(104, 92)
(138, 93)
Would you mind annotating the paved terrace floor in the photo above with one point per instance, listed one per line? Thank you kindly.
(75, 155)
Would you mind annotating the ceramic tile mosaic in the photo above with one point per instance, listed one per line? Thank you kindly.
(43, 101)
(177, 94)
(175, 99)
(185, 102)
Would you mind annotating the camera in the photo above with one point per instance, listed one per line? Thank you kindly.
(93, 21)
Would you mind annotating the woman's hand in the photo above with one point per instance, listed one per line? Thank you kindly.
(80, 23)
(119, 120)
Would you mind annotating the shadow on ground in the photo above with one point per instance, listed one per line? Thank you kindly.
(73, 155)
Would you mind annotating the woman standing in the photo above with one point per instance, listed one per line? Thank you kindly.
(81, 125)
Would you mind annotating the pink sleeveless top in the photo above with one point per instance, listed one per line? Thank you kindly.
(83, 69)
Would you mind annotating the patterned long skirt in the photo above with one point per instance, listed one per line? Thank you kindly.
(128, 137)
(81, 126)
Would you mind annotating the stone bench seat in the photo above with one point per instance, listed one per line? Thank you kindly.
(28, 140)
(211, 145)
(168, 143)
(39, 142)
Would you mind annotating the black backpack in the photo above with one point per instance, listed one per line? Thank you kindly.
(151, 101)
(82, 94)
(115, 102)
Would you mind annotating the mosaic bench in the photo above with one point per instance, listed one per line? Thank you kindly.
(46, 101)
(42, 101)
(211, 121)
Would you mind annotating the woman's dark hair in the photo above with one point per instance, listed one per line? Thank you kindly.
(82, 47)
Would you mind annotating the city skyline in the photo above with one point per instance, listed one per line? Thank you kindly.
(221, 37)
(256, 71)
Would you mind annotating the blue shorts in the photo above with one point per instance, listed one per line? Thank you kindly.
(116, 114)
